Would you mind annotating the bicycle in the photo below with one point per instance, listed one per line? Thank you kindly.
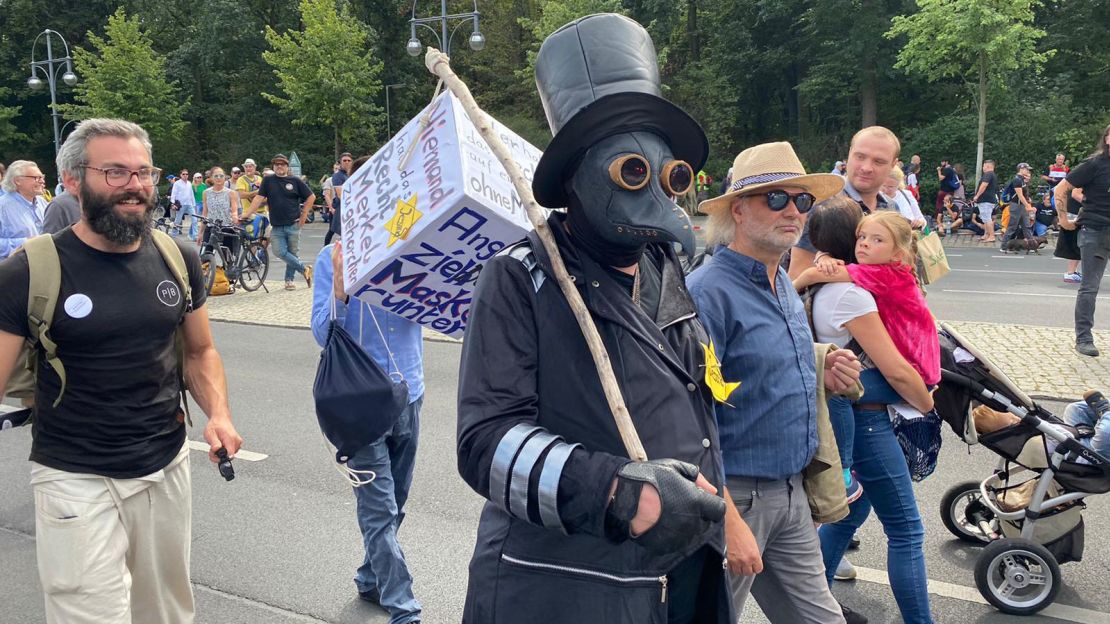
(244, 259)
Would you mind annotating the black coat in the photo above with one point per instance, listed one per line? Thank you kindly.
(525, 364)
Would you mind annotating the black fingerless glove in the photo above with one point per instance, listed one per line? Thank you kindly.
(686, 513)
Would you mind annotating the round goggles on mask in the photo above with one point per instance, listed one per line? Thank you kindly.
(779, 200)
(631, 172)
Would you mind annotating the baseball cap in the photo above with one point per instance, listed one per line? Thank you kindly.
(249, 161)
(198, 175)
(236, 170)
(1024, 166)
(279, 158)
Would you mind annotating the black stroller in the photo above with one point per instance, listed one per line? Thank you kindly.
(1028, 513)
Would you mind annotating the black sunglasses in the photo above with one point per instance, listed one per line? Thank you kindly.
(779, 200)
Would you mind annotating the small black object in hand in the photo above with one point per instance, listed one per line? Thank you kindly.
(227, 471)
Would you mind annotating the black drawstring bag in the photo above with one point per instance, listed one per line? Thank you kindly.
(356, 401)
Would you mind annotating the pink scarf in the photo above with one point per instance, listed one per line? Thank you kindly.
(904, 314)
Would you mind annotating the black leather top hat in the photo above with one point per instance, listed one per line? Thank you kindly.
(597, 77)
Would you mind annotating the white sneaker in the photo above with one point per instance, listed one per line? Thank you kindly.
(845, 571)
(1073, 278)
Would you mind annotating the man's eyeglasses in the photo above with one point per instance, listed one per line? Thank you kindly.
(779, 200)
(119, 176)
(37, 178)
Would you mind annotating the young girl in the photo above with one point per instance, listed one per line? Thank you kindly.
(886, 255)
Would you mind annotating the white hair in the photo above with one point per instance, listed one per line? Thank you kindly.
(73, 156)
(720, 229)
(16, 169)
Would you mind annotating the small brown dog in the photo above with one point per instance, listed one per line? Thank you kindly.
(1027, 245)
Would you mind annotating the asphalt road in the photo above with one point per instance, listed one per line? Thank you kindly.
(280, 544)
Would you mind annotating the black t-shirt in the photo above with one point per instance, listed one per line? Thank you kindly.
(285, 196)
(114, 325)
(990, 194)
(950, 181)
(1018, 183)
(1093, 176)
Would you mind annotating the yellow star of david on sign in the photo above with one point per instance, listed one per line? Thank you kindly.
(403, 219)
(720, 388)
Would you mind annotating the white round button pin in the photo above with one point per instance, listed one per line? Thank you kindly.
(78, 306)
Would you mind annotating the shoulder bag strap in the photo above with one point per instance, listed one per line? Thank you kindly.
(44, 283)
(171, 254)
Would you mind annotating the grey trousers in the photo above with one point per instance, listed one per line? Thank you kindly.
(1019, 222)
(1094, 249)
(792, 588)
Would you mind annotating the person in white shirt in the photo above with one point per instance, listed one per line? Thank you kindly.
(894, 189)
(182, 193)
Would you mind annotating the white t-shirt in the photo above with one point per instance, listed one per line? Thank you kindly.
(836, 304)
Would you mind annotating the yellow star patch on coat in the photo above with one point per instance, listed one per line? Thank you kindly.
(713, 378)
(401, 224)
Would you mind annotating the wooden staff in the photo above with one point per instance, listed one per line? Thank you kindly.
(439, 64)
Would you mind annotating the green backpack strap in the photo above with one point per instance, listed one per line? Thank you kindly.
(44, 283)
(171, 254)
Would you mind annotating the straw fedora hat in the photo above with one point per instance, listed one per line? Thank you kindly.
(772, 165)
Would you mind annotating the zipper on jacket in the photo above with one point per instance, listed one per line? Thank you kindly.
(623, 580)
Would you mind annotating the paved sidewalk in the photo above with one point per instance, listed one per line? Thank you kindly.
(1040, 360)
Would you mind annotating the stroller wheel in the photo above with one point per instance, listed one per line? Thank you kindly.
(961, 510)
(1017, 576)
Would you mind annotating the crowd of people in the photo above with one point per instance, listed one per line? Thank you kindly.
(272, 204)
(764, 420)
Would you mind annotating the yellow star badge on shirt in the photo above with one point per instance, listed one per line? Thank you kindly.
(713, 378)
(403, 219)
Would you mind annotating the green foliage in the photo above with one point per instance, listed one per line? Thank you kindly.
(327, 73)
(123, 77)
(553, 14)
(8, 114)
(749, 71)
(950, 38)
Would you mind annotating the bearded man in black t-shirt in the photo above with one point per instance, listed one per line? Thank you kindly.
(290, 200)
(109, 459)
(1093, 176)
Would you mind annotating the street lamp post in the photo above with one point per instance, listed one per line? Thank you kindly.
(443, 20)
(49, 67)
(388, 125)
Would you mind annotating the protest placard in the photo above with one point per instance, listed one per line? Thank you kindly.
(416, 238)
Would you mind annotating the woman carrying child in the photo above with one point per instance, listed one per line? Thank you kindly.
(876, 306)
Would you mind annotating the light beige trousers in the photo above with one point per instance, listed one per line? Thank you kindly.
(115, 551)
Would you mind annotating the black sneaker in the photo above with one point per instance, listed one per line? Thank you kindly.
(371, 595)
(854, 544)
(851, 617)
(1087, 348)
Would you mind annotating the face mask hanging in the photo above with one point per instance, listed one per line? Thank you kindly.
(356, 401)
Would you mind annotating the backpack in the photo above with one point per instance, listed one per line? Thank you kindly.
(221, 285)
(1008, 194)
(45, 282)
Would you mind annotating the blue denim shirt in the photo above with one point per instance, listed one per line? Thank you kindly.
(763, 341)
(404, 337)
(19, 220)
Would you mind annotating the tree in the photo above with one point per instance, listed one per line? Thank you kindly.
(977, 41)
(327, 72)
(125, 78)
(8, 130)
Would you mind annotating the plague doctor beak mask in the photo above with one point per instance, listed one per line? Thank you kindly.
(619, 149)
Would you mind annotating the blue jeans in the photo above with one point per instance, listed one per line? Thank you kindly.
(381, 509)
(191, 210)
(1039, 229)
(287, 242)
(1094, 248)
(1079, 413)
(881, 468)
